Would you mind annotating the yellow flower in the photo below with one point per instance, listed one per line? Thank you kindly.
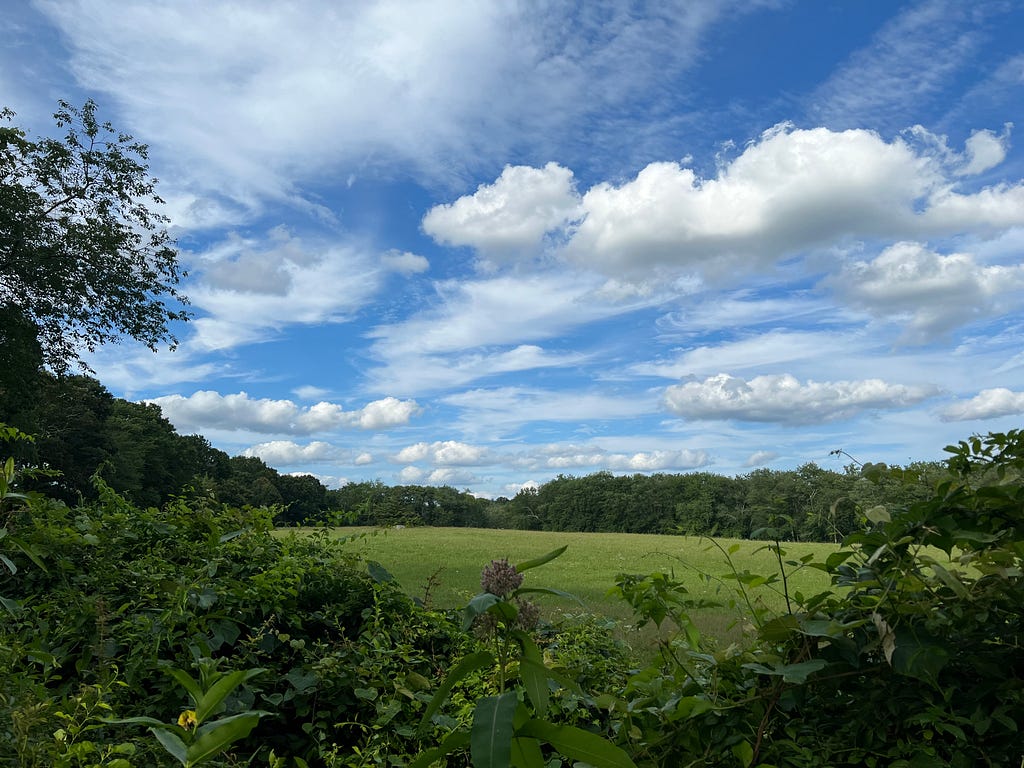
(187, 719)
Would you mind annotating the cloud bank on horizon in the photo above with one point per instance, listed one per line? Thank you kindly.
(484, 244)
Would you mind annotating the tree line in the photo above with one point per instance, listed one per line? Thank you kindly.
(81, 429)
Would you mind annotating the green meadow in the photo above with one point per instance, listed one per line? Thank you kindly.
(441, 566)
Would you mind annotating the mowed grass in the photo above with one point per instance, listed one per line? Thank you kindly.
(442, 567)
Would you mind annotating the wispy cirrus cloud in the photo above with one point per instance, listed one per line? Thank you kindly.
(908, 63)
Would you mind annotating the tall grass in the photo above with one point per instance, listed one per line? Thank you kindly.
(441, 566)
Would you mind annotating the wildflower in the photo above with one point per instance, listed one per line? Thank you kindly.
(501, 578)
(528, 616)
(187, 719)
(485, 625)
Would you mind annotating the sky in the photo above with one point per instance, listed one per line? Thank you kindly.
(483, 244)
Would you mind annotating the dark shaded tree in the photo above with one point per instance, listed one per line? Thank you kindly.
(84, 260)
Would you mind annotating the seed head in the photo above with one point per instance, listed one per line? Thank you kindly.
(500, 578)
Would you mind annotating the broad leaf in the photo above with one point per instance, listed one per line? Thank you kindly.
(453, 741)
(578, 744)
(468, 664)
(533, 673)
(213, 738)
(220, 690)
(172, 743)
(538, 561)
(526, 753)
(490, 739)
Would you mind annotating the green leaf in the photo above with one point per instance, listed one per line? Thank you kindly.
(526, 753)
(213, 738)
(533, 672)
(12, 606)
(186, 681)
(29, 553)
(470, 663)
(453, 741)
(790, 673)
(538, 561)
(549, 591)
(478, 605)
(229, 536)
(220, 690)
(490, 738)
(918, 656)
(9, 564)
(744, 753)
(172, 743)
(578, 744)
(378, 572)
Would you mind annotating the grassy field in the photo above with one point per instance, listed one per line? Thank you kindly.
(442, 566)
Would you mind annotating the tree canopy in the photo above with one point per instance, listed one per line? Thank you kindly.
(84, 257)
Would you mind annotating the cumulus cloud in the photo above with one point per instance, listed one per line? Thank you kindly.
(790, 191)
(286, 453)
(987, 404)
(759, 458)
(410, 475)
(934, 292)
(404, 263)
(511, 216)
(444, 453)
(985, 150)
(784, 399)
(643, 461)
(211, 410)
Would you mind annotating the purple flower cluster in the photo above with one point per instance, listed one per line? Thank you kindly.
(501, 578)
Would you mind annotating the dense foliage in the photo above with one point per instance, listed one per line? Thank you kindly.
(83, 257)
(190, 634)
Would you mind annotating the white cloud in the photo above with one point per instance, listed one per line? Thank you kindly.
(404, 263)
(309, 392)
(410, 475)
(251, 288)
(363, 459)
(419, 354)
(252, 96)
(503, 409)
(934, 292)
(444, 453)
(790, 191)
(211, 410)
(645, 461)
(985, 150)
(912, 57)
(511, 216)
(286, 453)
(759, 458)
(783, 399)
(987, 404)
(450, 476)
(389, 412)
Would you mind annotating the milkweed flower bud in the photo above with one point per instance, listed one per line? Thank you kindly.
(500, 578)
(529, 614)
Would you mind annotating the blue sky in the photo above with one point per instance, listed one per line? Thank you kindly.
(482, 244)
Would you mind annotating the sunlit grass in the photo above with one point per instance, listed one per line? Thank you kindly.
(441, 566)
